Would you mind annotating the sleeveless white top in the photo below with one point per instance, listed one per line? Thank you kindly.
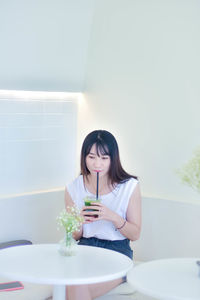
(117, 200)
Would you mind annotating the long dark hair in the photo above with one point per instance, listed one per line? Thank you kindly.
(106, 144)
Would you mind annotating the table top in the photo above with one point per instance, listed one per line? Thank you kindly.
(43, 263)
(171, 279)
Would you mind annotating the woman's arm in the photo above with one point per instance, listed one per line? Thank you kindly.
(132, 227)
(69, 202)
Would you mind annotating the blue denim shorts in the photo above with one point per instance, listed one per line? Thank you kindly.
(121, 246)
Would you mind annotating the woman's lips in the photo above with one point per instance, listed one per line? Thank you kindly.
(97, 171)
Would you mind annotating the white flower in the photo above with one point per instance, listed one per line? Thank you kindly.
(190, 172)
(70, 219)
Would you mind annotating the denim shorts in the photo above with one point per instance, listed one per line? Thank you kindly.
(121, 246)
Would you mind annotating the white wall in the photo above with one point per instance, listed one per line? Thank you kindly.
(143, 85)
(44, 44)
(38, 132)
(43, 47)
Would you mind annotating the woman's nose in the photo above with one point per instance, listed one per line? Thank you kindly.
(97, 162)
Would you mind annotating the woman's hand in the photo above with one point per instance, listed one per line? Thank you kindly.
(100, 212)
(87, 215)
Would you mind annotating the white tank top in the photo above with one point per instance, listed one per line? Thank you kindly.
(117, 200)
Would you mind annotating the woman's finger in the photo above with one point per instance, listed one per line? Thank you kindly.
(96, 204)
(94, 207)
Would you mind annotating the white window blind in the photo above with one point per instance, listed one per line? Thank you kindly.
(37, 140)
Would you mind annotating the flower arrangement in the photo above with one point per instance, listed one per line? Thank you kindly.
(190, 172)
(71, 220)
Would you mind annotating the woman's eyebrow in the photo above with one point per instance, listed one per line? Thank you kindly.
(92, 153)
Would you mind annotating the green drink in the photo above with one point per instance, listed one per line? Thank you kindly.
(90, 201)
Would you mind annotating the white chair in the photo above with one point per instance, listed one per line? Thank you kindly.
(124, 291)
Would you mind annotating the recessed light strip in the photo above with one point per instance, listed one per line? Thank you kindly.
(38, 96)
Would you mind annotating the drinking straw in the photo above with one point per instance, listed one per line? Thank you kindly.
(97, 191)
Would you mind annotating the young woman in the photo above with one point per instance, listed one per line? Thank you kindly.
(117, 217)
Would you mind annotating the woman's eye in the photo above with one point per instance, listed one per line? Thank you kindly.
(91, 157)
(105, 157)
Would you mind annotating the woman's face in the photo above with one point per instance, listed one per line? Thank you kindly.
(97, 163)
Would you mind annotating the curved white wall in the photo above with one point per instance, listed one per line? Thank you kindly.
(143, 85)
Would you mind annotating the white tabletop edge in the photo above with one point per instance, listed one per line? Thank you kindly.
(68, 281)
(51, 281)
(152, 293)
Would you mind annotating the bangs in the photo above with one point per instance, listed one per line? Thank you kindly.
(102, 148)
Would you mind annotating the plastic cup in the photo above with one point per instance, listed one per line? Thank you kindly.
(90, 201)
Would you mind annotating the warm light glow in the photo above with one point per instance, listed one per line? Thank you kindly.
(81, 99)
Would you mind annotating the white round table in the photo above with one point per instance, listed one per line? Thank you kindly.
(168, 279)
(44, 265)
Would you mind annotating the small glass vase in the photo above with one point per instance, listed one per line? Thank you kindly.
(68, 245)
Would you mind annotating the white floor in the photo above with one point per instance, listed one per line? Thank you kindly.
(138, 296)
(135, 296)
